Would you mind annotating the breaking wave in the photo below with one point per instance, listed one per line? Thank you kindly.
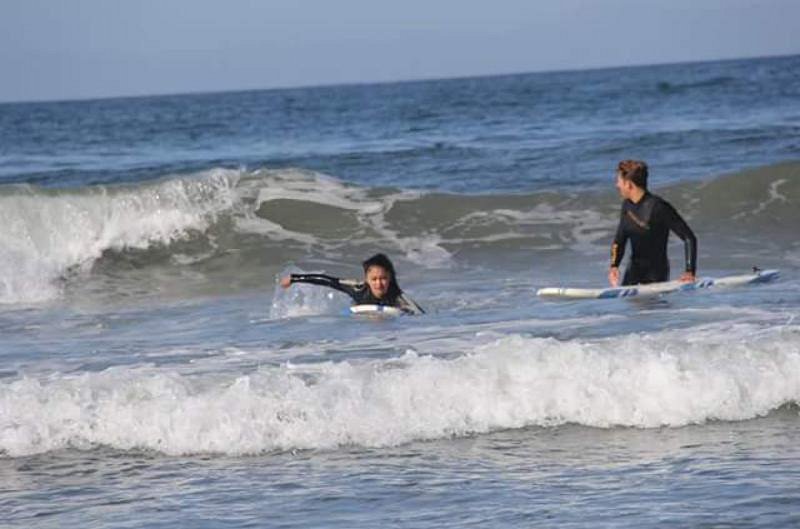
(717, 372)
(267, 218)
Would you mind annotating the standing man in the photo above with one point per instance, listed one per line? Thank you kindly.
(646, 220)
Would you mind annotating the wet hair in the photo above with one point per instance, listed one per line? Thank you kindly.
(382, 261)
(634, 171)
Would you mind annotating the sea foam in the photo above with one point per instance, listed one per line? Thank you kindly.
(670, 378)
(48, 233)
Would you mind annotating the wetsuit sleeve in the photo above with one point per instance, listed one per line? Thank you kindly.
(326, 281)
(676, 224)
(620, 239)
(406, 304)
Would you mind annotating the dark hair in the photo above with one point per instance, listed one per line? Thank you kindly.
(382, 261)
(634, 171)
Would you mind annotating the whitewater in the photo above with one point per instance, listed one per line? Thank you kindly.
(153, 373)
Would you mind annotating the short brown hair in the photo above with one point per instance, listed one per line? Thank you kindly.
(633, 170)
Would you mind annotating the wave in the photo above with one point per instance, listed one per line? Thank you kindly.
(240, 222)
(48, 233)
(670, 378)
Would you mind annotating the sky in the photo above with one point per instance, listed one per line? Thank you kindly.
(77, 49)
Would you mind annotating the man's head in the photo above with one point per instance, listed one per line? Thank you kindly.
(631, 178)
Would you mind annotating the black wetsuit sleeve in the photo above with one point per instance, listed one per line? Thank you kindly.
(677, 225)
(620, 239)
(406, 304)
(326, 281)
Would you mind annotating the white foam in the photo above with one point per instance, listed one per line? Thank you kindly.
(305, 300)
(773, 195)
(369, 209)
(47, 234)
(671, 378)
(586, 227)
(308, 186)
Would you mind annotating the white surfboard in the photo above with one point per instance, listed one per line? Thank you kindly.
(657, 289)
(375, 310)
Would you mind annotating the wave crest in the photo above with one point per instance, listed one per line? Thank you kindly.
(734, 372)
(258, 222)
(48, 233)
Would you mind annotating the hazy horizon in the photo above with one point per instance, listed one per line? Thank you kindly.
(92, 49)
(393, 81)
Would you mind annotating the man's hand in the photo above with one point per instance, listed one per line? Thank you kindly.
(613, 276)
(286, 281)
(687, 277)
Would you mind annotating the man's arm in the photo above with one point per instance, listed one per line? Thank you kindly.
(617, 252)
(677, 225)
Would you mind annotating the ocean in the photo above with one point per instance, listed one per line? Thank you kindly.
(153, 373)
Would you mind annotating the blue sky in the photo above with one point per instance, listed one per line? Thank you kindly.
(54, 49)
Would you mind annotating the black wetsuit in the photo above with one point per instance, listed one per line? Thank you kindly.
(360, 292)
(647, 224)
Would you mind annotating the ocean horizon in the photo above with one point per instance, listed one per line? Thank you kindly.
(153, 373)
(422, 79)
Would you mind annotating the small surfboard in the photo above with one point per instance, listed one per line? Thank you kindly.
(657, 289)
(380, 311)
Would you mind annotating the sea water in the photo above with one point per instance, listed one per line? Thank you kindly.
(153, 374)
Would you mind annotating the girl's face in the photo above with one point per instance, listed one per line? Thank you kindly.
(378, 280)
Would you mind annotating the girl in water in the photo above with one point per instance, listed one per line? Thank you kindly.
(379, 286)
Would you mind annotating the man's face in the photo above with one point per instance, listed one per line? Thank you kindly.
(624, 187)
